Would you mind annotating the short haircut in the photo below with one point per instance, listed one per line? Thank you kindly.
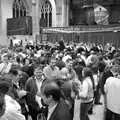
(51, 88)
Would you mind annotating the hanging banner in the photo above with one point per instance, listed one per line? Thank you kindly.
(19, 26)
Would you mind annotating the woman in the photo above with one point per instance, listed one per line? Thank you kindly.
(8, 106)
(86, 93)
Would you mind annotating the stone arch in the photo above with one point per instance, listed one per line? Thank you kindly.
(53, 12)
(53, 5)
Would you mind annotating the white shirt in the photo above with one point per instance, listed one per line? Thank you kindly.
(96, 79)
(5, 67)
(50, 111)
(86, 91)
(39, 84)
(12, 105)
(50, 73)
(12, 115)
(112, 90)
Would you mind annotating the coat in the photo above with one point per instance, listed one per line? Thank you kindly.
(31, 88)
(61, 112)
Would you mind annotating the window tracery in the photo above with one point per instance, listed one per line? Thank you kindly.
(19, 9)
(46, 14)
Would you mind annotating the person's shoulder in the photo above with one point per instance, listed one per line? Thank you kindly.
(30, 79)
(111, 79)
(64, 111)
(12, 115)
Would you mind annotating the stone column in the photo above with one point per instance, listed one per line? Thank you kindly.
(34, 15)
(53, 12)
(59, 13)
(65, 13)
(0, 18)
(6, 12)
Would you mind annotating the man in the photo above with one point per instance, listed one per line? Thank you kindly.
(52, 71)
(68, 72)
(5, 66)
(33, 86)
(57, 108)
(112, 95)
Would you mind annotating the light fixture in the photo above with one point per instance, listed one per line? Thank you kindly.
(33, 2)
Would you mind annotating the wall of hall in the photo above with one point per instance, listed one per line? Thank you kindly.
(60, 16)
(5, 13)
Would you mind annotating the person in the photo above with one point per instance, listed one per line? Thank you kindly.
(57, 108)
(112, 97)
(22, 79)
(9, 108)
(86, 93)
(51, 71)
(28, 67)
(33, 86)
(5, 66)
(68, 73)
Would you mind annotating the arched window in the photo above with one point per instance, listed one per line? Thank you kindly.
(46, 14)
(19, 9)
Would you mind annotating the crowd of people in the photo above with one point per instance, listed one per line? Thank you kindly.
(44, 82)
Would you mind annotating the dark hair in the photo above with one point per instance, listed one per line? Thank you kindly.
(13, 72)
(2, 104)
(18, 59)
(51, 88)
(88, 73)
(101, 66)
(94, 69)
(4, 85)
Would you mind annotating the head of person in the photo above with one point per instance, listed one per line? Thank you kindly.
(38, 73)
(53, 62)
(115, 69)
(87, 72)
(50, 92)
(5, 58)
(20, 72)
(69, 64)
(14, 74)
(27, 61)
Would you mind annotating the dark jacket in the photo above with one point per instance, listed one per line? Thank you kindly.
(61, 112)
(31, 88)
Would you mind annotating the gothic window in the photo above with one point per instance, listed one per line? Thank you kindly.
(19, 8)
(46, 14)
